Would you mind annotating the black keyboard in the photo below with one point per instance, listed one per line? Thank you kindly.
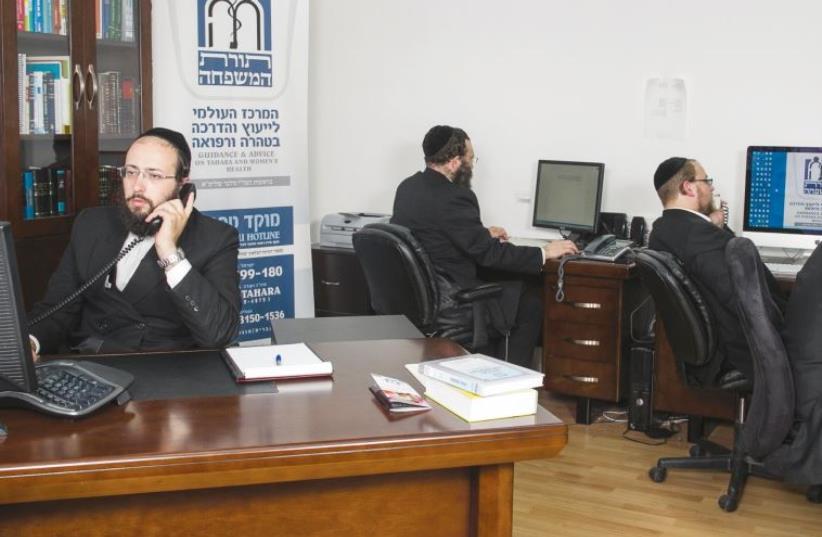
(72, 389)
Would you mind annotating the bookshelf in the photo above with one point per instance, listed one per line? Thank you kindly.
(76, 79)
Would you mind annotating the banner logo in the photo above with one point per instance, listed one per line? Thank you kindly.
(813, 176)
(234, 43)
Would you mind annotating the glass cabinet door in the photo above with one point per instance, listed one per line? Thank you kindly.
(116, 88)
(46, 91)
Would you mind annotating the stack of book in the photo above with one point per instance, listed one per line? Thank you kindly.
(46, 192)
(44, 94)
(477, 387)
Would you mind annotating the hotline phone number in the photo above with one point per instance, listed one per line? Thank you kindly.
(267, 272)
(251, 318)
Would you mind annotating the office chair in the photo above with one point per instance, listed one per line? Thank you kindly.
(402, 280)
(765, 423)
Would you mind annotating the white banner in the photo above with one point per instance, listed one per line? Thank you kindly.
(232, 76)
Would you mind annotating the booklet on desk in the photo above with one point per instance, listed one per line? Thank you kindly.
(471, 407)
(481, 374)
(396, 395)
(272, 362)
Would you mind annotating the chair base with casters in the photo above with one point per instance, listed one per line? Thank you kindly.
(706, 455)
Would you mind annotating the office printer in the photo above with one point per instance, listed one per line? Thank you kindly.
(338, 228)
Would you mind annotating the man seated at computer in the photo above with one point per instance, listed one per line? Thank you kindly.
(694, 230)
(173, 290)
(442, 211)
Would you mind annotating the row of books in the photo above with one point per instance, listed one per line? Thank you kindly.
(107, 180)
(118, 103)
(46, 16)
(475, 387)
(115, 20)
(46, 192)
(44, 94)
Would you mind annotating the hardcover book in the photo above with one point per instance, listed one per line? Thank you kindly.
(471, 407)
(481, 374)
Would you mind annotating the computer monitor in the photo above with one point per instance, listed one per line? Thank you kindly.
(783, 196)
(568, 196)
(16, 363)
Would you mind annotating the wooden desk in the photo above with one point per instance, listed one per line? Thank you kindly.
(318, 458)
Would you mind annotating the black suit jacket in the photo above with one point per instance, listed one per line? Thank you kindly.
(445, 218)
(700, 245)
(202, 310)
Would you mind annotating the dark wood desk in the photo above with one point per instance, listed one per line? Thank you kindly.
(318, 458)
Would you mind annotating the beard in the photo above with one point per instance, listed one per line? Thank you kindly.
(462, 177)
(708, 207)
(133, 222)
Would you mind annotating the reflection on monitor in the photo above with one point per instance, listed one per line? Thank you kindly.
(568, 195)
(783, 196)
(16, 365)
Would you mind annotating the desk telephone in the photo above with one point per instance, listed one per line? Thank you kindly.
(606, 248)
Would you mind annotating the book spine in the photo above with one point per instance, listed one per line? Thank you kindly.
(106, 18)
(69, 191)
(42, 200)
(47, 23)
(60, 191)
(116, 22)
(21, 15)
(448, 378)
(56, 21)
(27, 13)
(30, 102)
(37, 100)
(28, 190)
(38, 15)
(48, 101)
(98, 16)
(63, 15)
(21, 93)
(128, 20)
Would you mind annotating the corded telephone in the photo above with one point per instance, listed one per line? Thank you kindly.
(606, 248)
(153, 228)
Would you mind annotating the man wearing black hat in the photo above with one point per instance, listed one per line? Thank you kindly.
(693, 229)
(177, 288)
(442, 211)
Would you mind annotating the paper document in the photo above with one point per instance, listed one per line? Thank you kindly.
(275, 362)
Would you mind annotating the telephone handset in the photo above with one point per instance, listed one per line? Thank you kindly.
(599, 244)
(153, 228)
(722, 206)
(157, 221)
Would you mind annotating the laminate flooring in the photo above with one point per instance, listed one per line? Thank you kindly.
(599, 485)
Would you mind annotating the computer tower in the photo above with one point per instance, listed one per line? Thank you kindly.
(641, 389)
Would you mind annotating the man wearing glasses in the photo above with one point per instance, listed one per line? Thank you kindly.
(694, 230)
(176, 288)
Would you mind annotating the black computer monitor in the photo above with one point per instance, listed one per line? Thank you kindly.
(16, 363)
(783, 196)
(568, 196)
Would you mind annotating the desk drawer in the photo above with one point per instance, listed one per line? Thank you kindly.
(582, 378)
(584, 304)
(582, 341)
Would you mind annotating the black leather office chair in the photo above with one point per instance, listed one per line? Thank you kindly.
(764, 425)
(402, 280)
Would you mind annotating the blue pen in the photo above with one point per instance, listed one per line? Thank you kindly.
(278, 360)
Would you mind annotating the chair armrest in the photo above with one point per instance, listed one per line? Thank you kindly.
(480, 292)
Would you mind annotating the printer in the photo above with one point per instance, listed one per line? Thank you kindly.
(338, 228)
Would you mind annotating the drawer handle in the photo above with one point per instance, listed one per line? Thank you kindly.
(332, 284)
(586, 305)
(583, 342)
(583, 380)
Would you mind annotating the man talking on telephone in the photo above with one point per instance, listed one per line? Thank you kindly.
(177, 287)
(694, 230)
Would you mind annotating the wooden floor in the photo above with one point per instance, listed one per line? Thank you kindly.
(599, 486)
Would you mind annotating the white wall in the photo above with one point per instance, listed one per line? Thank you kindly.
(551, 79)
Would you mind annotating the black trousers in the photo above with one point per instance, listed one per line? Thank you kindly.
(524, 335)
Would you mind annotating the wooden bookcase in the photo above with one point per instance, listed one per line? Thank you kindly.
(82, 150)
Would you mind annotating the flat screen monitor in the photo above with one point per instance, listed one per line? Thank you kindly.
(16, 364)
(783, 196)
(568, 196)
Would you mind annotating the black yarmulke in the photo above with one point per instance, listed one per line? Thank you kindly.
(668, 169)
(175, 139)
(435, 139)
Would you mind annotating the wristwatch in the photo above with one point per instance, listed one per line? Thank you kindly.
(168, 262)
